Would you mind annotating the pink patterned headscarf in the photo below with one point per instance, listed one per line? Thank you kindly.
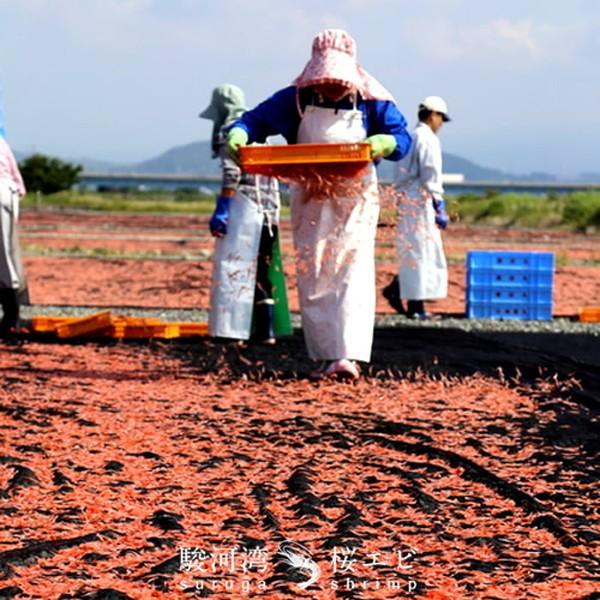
(9, 169)
(333, 60)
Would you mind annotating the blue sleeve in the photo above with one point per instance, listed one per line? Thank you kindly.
(277, 115)
(384, 117)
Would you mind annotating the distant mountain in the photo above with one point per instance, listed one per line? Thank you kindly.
(189, 159)
(195, 159)
(471, 171)
(475, 172)
(99, 166)
(589, 177)
(89, 164)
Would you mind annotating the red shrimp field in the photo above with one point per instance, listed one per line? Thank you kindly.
(463, 464)
(114, 260)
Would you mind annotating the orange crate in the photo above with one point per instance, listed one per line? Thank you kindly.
(590, 314)
(139, 321)
(144, 327)
(304, 154)
(104, 324)
(190, 329)
(116, 331)
(141, 327)
(84, 325)
(161, 331)
(47, 324)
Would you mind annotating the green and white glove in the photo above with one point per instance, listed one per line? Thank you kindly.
(236, 138)
(382, 144)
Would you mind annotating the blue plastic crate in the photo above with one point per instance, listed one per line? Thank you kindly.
(497, 259)
(522, 294)
(509, 285)
(496, 277)
(509, 311)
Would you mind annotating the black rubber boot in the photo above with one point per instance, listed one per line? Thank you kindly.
(416, 309)
(391, 293)
(9, 299)
(263, 319)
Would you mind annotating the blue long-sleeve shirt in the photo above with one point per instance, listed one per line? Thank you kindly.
(278, 115)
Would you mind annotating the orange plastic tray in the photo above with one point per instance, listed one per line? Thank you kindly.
(84, 325)
(255, 159)
(47, 324)
(163, 331)
(590, 314)
(191, 329)
(105, 324)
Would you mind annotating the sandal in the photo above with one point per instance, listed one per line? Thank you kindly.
(343, 369)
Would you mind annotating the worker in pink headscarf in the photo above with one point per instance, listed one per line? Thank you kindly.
(13, 286)
(333, 100)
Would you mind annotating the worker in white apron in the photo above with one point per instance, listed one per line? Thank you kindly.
(333, 101)
(241, 288)
(13, 285)
(422, 269)
(334, 241)
(248, 289)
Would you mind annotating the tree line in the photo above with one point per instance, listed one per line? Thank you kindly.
(48, 175)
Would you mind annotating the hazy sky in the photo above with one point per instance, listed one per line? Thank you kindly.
(124, 80)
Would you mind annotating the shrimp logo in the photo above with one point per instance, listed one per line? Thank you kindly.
(298, 558)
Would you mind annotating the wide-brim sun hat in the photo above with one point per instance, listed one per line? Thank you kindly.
(333, 60)
(227, 104)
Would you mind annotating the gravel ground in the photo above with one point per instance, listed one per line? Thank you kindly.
(78, 311)
(561, 325)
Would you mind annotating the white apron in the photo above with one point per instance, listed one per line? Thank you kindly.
(422, 271)
(11, 268)
(334, 240)
(235, 263)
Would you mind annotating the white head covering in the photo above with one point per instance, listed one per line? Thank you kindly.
(333, 60)
(436, 104)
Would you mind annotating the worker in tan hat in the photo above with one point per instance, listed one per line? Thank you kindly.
(422, 271)
(248, 298)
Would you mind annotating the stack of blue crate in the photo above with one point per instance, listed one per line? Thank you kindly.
(509, 285)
